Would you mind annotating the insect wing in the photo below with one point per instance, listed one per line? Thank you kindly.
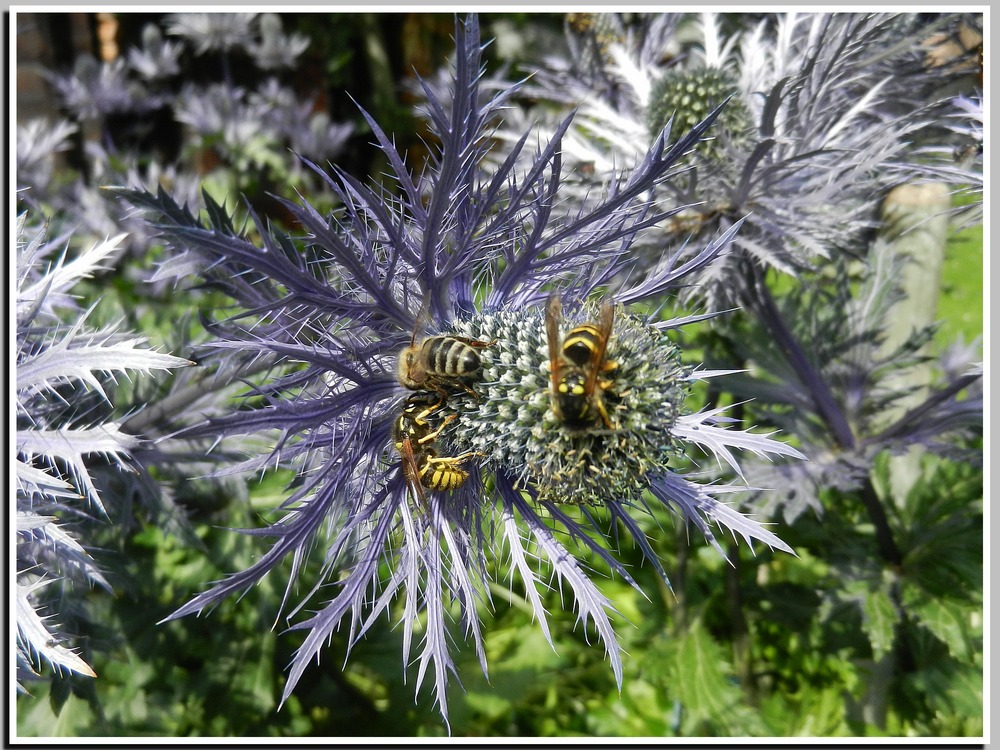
(421, 320)
(411, 471)
(553, 312)
(605, 326)
(410, 368)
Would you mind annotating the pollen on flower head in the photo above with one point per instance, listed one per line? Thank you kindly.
(511, 423)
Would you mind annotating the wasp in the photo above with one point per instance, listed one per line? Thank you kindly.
(578, 367)
(413, 436)
(439, 362)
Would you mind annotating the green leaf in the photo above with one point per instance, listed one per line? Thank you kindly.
(44, 718)
(879, 621)
(701, 676)
(951, 622)
(491, 705)
(953, 698)
(812, 711)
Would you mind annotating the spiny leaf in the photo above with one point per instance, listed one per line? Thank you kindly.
(33, 636)
(68, 360)
(58, 280)
(695, 428)
(71, 446)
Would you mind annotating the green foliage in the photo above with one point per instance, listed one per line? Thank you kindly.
(817, 627)
(833, 642)
(960, 307)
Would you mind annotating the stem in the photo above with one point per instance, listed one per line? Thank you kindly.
(883, 531)
(826, 405)
(680, 586)
(762, 303)
(227, 73)
(738, 622)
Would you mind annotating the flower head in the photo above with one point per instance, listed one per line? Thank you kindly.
(425, 352)
(598, 463)
(275, 48)
(38, 142)
(213, 32)
(158, 58)
(96, 89)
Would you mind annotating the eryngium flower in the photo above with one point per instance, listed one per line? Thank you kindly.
(61, 371)
(213, 32)
(569, 465)
(97, 89)
(38, 142)
(462, 253)
(828, 112)
(262, 37)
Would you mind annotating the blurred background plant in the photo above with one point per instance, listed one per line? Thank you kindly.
(857, 158)
(196, 102)
(65, 417)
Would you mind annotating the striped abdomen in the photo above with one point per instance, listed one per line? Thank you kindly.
(440, 363)
(581, 343)
(450, 357)
(441, 473)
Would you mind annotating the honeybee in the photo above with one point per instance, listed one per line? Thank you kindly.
(413, 437)
(439, 362)
(579, 367)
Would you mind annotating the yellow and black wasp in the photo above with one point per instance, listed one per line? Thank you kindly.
(413, 436)
(579, 368)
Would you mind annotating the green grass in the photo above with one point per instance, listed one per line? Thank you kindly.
(960, 306)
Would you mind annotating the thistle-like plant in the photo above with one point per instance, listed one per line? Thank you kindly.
(825, 113)
(62, 388)
(208, 106)
(825, 371)
(459, 251)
